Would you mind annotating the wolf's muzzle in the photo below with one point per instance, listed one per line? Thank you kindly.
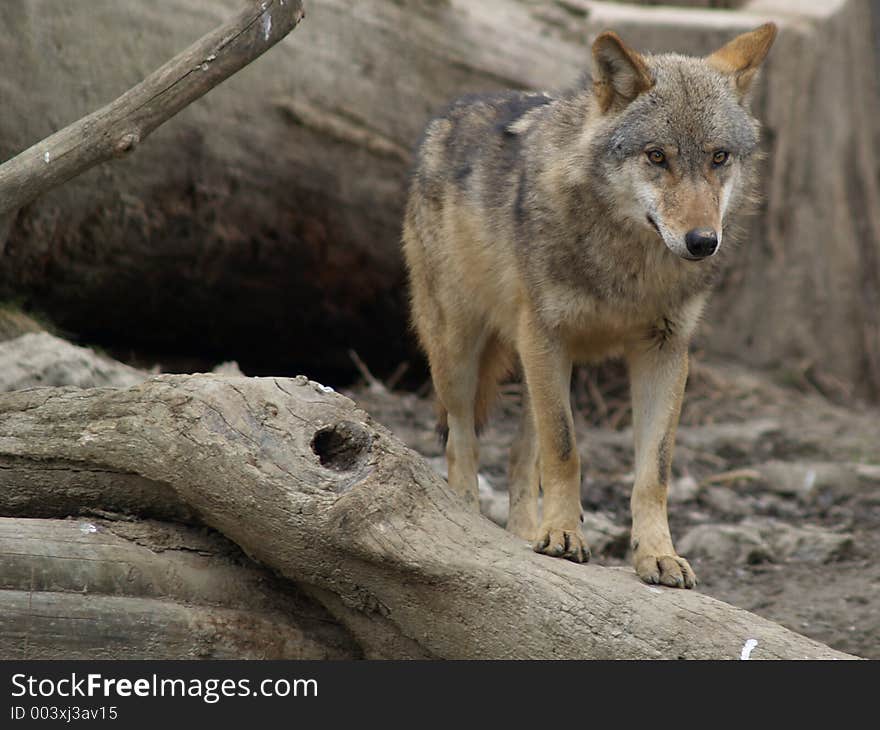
(701, 242)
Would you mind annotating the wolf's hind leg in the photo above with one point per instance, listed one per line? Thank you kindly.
(524, 478)
(455, 373)
(657, 379)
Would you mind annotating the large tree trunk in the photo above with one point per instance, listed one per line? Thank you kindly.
(310, 486)
(254, 208)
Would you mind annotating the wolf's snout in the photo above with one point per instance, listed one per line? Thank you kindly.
(701, 242)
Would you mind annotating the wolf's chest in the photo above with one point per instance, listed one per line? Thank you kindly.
(601, 314)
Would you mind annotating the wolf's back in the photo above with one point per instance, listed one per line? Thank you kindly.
(473, 145)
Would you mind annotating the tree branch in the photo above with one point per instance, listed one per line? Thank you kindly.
(118, 128)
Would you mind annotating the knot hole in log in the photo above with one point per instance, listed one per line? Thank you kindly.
(343, 446)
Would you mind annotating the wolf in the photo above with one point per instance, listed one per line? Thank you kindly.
(543, 231)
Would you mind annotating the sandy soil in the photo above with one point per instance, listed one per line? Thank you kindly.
(775, 493)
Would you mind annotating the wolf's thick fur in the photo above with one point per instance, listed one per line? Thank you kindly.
(547, 231)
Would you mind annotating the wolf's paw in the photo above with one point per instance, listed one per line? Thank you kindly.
(667, 570)
(559, 543)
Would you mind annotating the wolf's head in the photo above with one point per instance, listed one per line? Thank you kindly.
(677, 139)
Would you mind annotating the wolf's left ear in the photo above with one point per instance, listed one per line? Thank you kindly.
(620, 74)
(741, 57)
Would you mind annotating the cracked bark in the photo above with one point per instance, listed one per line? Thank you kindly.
(309, 485)
(105, 589)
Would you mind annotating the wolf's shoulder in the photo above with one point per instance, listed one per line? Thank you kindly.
(474, 130)
(496, 111)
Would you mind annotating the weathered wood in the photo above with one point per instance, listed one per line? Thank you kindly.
(95, 588)
(118, 128)
(39, 359)
(309, 485)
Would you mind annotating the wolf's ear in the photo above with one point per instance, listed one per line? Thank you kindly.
(742, 56)
(619, 73)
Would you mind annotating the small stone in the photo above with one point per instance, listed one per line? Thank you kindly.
(810, 544)
(822, 483)
(683, 489)
(739, 544)
(727, 501)
(229, 368)
(766, 540)
(494, 503)
(604, 536)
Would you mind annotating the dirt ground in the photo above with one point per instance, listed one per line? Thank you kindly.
(775, 496)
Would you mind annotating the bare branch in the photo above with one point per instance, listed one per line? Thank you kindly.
(118, 128)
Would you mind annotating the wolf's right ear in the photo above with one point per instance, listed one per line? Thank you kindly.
(620, 74)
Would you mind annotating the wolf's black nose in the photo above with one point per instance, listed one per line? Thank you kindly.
(701, 242)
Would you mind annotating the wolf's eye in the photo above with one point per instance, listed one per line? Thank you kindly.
(720, 157)
(656, 156)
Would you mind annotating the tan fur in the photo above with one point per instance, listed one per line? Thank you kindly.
(610, 57)
(744, 54)
(539, 232)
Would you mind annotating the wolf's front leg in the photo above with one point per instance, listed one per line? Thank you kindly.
(658, 373)
(547, 371)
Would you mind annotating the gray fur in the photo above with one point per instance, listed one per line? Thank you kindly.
(555, 230)
(494, 151)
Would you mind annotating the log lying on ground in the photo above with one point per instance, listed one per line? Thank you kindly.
(103, 589)
(309, 485)
(39, 359)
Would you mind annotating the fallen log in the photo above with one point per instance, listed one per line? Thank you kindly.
(39, 359)
(106, 589)
(309, 485)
